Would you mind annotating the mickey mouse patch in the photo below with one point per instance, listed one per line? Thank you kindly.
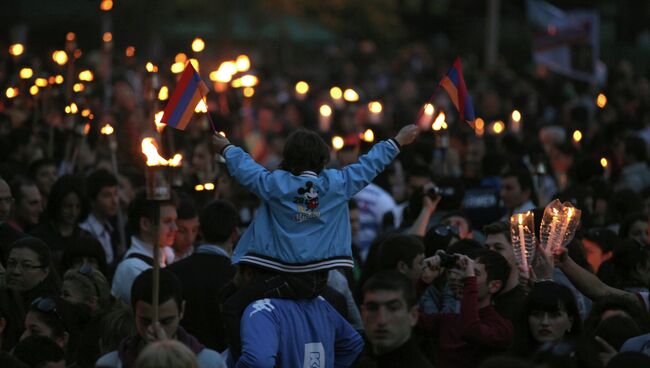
(307, 203)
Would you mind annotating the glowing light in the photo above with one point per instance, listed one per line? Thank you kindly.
(198, 45)
(325, 110)
(107, 129)
(11, 92)
(16, 49)
(26, 73)
(58, 79)
(163, 94)
(479, 123)
(70, 36)
(221, 76)
(337, 142)
(151, 68)
(40, 82)
(498, 127)
(437, 124)
(180, 58)
(351, 95)
(106, 5)
(249, 81)
(78, 87)
(577, 136)
(77, 53)
(86, 128)
(516, 116)
(336, 93)
(177, 67)
(242, 63)
(71, 109)
(249, 92)
(429, 109)
(375, 107)
(208, 186)
(368, 135)
(601, 100)
(60, 57)
(302, 87)
(150, 149)
(228, 67)
(85, 113)
(604, 163)
(195, 64)
(86, 76)
(199, 187)
(130, 51)
(33, 90)
(201, 106)
(107, 37)
(222, 133)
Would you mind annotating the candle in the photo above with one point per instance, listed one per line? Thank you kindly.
(522, 245)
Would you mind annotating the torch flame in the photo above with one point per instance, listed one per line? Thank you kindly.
(520, 218)
(107, 129)
(150, 150)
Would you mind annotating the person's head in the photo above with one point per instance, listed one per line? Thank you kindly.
(115, 326)
(617, 329)
(6, 200)
(403, 253)
(66, 203)
(516, 188)
(28, 204)
(86, 285)
(142, 220)
(631, 262)
(635, 226)
(102, 193)
(84, 250)
(218, 221)
(166, 354)
(388, 310)
(550, 314)
(43, 319)
(616, 306)
(492, 271)
(44, 174)
(440, 237)
(599, 244)
(170, 303)
(304, 151)
(188, 226)
(461, 222)
(497, 238)
(28, 264)
(40, 352)
(417, 177)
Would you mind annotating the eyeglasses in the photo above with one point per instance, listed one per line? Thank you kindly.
(48, 306)
(13, 264)
(87, 271)
(446, 230)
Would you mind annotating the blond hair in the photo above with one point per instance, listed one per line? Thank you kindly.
(166, 354)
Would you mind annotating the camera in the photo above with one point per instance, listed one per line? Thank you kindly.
(448, 260)
(432, 191)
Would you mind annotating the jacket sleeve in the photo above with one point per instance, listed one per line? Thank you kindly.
(348, 344)
(248, 173)
(356, 176)
(496, 333)
(259, 338)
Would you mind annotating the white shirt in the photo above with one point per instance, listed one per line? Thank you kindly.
(102, 233)
(129, 268)
(373, 203)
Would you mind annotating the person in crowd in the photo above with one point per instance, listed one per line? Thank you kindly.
(85, 250)
(44, 318)
(390, 312)
(139, 257)
(28, 204)
(295, 217)
(8, 233)
(171, 310)
(39, 352)
(188, 229)
(599, 245)
(115, 326)
(88, 287)
(550, 315)
(635, 226)
(166, 354)
(44, 174)
(102, 193)
(478, 331)
(510, 300)
(66, 206)
(293, 333)
(208, 270)
(635, 173)
(517, 192)
(404, 254)
(460, 221)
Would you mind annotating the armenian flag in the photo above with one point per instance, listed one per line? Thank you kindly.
(454, 84)
(189, 91)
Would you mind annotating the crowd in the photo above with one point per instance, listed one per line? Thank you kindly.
(279, 250)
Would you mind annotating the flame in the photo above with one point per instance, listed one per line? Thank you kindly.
(58, 79)
(151, 68)
(243, 63)
(479, 124)
(70, 36)
(199, 187)
(180, 58)
(60, 57)
(40, 82)
(222, 133)
(336, 93)
(130, 51)
(249, 81)
(516, 116)
(86, 129)
(228, 67)
(520, 219)
(249, 92)
(107, 37)
(375, 107)
(209, 186)
(368, 135)
(429, 109)
(438, 123)
(107, 129)
(350, 95)
(86, 113)
(86, 76)
(177, 67)
(498, 127)
(33, 90)
(603, 162)
(163, 94)
(72, 108)
(16, 49)
(325, 110)
(302, 87)
(158, 120)
(337, 142)
(221, 75)
(78, 87)
(26, 73)
(569, 214)
(601, 100)
(201, 106)
(577, 136)
(150, 149)
(198, 45)
(106, 5)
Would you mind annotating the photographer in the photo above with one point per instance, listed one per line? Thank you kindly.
(466, 339)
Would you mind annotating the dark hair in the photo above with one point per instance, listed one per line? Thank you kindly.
(304, 151)
(99, 180)
(170, 288)
(115, 326)
(496, 265)
(393, 281)
(620, 303)
(62, 187)
(617, 329)
(53, 318)
(628, 221)
(465, 246)
(524, 179)
(546, 296)
(186, 209)
(16, 187)
(635, 147)
(627, 257)
(84, 246)
(496, 228)
(36, 165)
(141, 207)
(36, 351)
(37, 246)
(604, 238)
(218, 220)
(399, 247)
(419, 171)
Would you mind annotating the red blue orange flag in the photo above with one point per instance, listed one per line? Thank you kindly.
(189, 90)
(454, 84)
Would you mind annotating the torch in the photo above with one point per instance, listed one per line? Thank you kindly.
(523, 239)
(107, 130)
(559, 225)
(159, 175)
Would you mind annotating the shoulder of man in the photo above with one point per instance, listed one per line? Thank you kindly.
(109, 360)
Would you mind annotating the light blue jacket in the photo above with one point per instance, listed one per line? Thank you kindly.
(303, 222)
